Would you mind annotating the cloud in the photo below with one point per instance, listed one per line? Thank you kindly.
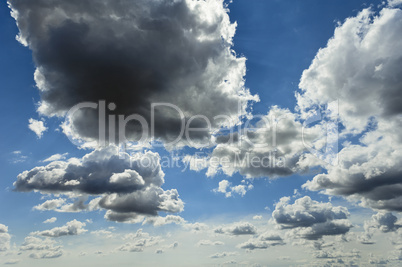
(41, 248)
(51, 220)
(394, 3)
(174, 245)
(71, 228)
(12, 261)
(360, 63)
(139, 241)
(263, 241)
(209, 243)
(226, 188)
(38, 127)
(169, 219)
(360, 68)
(18, 157)
(384, 222)
(310, 219)
(222, 255)
(55, 157)
(270, 148)
(134, 54)
(102, 233)
(5, 238)
(240, 228)
(126, 187)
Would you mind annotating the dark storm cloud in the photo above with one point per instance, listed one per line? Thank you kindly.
(134, 53)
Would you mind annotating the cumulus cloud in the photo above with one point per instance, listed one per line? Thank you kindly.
(361, 68)
(139, 241)
(381, 222)
(270, 148)
(126, 186)
(311, 219)
(385, 222)
(38, 127)
(4, 238)
(133, 54)
(169, 219)
(41, 248)
(226, 188)
(71, 228)
(263, 241)
(240, 228)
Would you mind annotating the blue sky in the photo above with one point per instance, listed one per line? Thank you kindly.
(301, 57)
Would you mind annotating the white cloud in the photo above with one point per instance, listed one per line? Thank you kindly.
(210, 243)
(169, 219)
(263, 241)
(55, 157)
(73, 227)
(139, 241)
(222, 255)
(38, 127)
(51, 220)
(5, 238)
(226, 188)
(41, 248)
(394, 3)
(361, 69)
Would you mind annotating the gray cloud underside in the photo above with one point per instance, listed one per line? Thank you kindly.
(134, 53)
(310, 219)
(126, 187)
(361, 68)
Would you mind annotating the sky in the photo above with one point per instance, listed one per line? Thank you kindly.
(201, 133)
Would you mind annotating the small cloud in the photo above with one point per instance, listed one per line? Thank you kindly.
(226, 188)
(237, 229)
(73, 227)
(51, 220)
(38, 127)
(55, 157)
(18, 157)
(222, 255)
(11, 261)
